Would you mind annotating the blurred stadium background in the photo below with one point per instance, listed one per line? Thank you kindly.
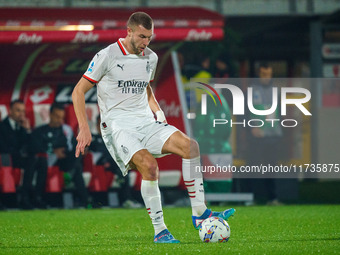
(45, 47)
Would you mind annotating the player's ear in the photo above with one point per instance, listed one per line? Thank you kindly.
(129, 31)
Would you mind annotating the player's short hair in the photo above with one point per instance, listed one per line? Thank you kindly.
(140, 18)
(58, 106)
(17, 101)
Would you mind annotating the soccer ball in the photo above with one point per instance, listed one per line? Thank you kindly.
(214, 230)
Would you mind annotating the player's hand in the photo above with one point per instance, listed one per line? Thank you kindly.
(160, 116)
(84, 139)
(25, 123)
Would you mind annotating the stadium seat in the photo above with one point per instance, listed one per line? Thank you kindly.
(100, 179)
(98, 182)
(135, 179)
(88, 162)
(54, 180)
(17, 175)
(7, 181)
(110, 178)
(70, 118)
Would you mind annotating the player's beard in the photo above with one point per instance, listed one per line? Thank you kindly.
(134, 47)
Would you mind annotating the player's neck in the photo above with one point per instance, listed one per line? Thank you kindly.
(127, 45)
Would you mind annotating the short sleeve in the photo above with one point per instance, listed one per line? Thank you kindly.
(97, 68)
(154, 67)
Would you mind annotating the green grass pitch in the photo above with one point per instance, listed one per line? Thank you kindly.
(254, 230)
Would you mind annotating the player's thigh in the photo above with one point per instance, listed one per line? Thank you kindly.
(122, 145)
(156, 135)
(146, 164)
(182, 145)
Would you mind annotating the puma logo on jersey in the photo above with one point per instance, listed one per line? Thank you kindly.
(121, 66)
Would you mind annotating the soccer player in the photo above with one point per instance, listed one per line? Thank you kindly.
(123, 72)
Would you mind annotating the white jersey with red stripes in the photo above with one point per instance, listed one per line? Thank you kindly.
(122, 81)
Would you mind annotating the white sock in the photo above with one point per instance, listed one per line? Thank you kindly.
(194, 182)
(152, 199)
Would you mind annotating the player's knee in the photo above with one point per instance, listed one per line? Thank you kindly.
(194, 148)
(151, 170)
(190, 149)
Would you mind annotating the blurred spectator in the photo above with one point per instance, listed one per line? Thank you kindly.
(103, 158)
(264, 142)
(54, 144)
(199, 70)
(181, 62)
(14, 135)
(222, 72)
(221, 68)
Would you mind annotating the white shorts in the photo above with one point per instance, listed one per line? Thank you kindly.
(123, 143)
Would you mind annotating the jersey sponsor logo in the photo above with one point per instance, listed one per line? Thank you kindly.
(133, 83)
(104, 125)
(121, 66)
(132, 86)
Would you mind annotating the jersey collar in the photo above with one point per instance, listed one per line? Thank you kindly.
(124, 51)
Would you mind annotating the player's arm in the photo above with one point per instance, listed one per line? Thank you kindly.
(154, 105)
(84, 137)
